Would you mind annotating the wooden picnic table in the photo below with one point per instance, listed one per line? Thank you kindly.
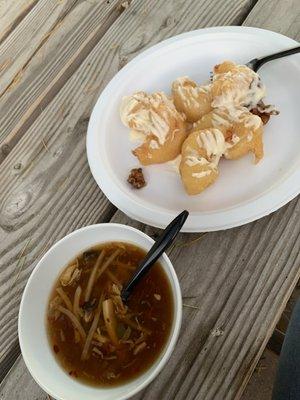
(56, 56)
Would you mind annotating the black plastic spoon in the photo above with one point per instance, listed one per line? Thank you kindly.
(256, 63)
(162, 243)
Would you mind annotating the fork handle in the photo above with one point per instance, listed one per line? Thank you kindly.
(261, 61)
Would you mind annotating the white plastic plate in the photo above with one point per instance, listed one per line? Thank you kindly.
(244, 192)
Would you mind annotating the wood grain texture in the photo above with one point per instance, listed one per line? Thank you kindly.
(11, 13)
(240, 279)
(23, 42)
(25, 389)
(56, 59)
(282, 16)
(53, 63)
(47, 188)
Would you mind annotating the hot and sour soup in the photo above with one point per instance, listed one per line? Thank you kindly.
(97, 338)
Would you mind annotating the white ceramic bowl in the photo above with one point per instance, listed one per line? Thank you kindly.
(34, 343)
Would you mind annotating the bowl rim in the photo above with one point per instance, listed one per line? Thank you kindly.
(174, 332)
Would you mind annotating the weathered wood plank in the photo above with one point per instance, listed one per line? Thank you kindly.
(282, 17)
(47, 188)
(240, 281)
(53, 63)
(264, 252)
(26, 388)
(23, 42)
(11, 13)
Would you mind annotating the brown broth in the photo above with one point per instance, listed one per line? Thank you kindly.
(150, 307)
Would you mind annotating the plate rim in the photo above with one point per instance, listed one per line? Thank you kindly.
(140, 211)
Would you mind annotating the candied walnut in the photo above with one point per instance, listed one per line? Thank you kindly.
(264, 112)
(263, 116)
(136, 178)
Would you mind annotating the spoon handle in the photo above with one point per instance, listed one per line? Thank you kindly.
(162, 243)
(260, 61)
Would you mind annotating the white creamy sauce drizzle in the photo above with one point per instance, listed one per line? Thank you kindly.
(255, 93)
(253, 121)
(247, 89)
(153, 144)
(235, 139)
(199, 175)
(128, 103)
(157, 126)
(212, 140)
(249, 137)
(140, 112)
(268, 109)
(194, 91)
(182, 80)
(218, 120)
(235, 113)
(193, 160)
(241, 114)
(188, 101)
(188, 98)
(232, 114)
(189, 92)
(192, 152)
(204, 88)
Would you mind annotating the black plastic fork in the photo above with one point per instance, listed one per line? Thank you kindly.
(256, 63)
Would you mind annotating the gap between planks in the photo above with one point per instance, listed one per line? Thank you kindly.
(12, 136)
(135, 30)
